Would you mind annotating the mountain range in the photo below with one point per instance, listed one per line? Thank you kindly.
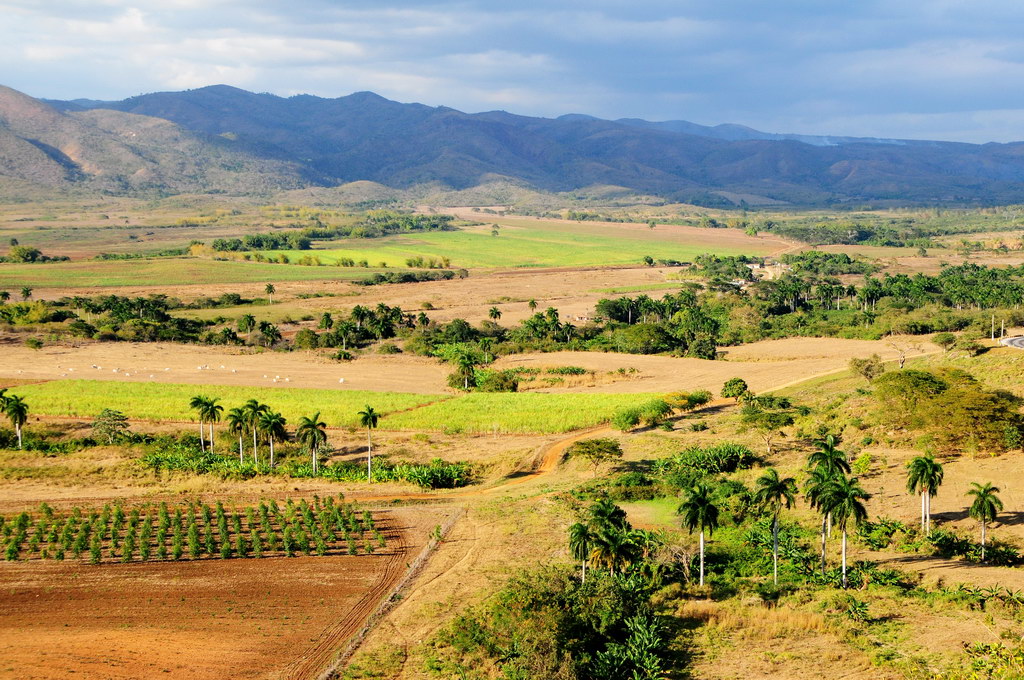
(224, 139)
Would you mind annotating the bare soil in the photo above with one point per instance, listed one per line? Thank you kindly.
(271, 618)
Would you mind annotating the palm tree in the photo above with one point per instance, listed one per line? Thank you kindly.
(532, 304)
(270, 333)
(604, 516)
(270, 290)
(924, 476)
(312, 434)
(829, 457)
(271, 425)
(359, 315)
(211, 413)
(985, 508)
(772, 494)
(466, 363)
(198, 404)
(237, 422)
(4, 296)
(368, 419)
(816, 490)
(26, 293)
(581, 543)
(844, 500)
(253, 410)
(16, 410)
(613, 549)
(247, 323)
(699, 512)
(494, 313)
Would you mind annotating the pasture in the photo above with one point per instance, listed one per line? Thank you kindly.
(535, 243)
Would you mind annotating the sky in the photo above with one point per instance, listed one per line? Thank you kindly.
(915, 69)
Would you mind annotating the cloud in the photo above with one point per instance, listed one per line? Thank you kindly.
(950, 69)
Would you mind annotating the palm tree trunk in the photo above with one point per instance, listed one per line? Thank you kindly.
(18, 428)
(982, 539)
(255, 452)
(844, 558)
(369, 449)
(775, 550)
(924, 524)
(824, 520)
(702, 557)
(211, 436)
(271, 452)
(202, 438)
(584, 579)
(241, 458)
(928, 514)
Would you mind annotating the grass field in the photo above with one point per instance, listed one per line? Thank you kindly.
(169, 401)
(471, 413)
(545, 244)
(516, 413)
(163, 272)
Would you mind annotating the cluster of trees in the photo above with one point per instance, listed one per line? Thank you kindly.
(951, 407)
(373, 225)
(827, 264)
(270, 426)
(23, 254)
(195, 531)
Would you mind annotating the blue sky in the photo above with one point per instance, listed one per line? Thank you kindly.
(935, 69)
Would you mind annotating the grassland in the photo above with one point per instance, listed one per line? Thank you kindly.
(471, 413)
(163, 272)
(533, 243)
(169, 401)
(516, 413)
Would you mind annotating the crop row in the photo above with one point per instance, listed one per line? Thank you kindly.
(196, 531)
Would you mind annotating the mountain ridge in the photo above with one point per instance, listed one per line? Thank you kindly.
(306, 140)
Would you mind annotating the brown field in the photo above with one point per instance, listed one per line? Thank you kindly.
(277, 618)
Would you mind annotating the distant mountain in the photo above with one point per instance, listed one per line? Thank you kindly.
(314, 141)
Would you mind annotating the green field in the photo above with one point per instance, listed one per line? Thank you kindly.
(526, 243)
(528, 412)
(162, 272)
(480, 413)
(163, 401)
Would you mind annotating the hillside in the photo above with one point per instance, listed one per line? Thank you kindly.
(116, 152)
(227, 139)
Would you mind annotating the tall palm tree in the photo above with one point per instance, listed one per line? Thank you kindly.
(198, 404)
(269, 289)
(816, 489)
(924, 476)
(312, 434)
(844, 500)
(247, 323)
(211, 413)
(16, 410)
(532, 304)
(494, 313)
(604, 516)
(772, 494)
(699, 512)
(253, 410)
(581, 543)
(368, 418)
(832, 461)
(614, 550)
(238, 423)
(272, 427)
(984, 508)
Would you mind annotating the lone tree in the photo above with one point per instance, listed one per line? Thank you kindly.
(869, 368)
(924, 477)
(772, 494)
(985, 507)
(767, 415)
(368, 418)
(110, 425)
(16, 410)
(269, 289)
(596, 451)
(699, 512)
(735, 388)
(494, 313)
(581, 543)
